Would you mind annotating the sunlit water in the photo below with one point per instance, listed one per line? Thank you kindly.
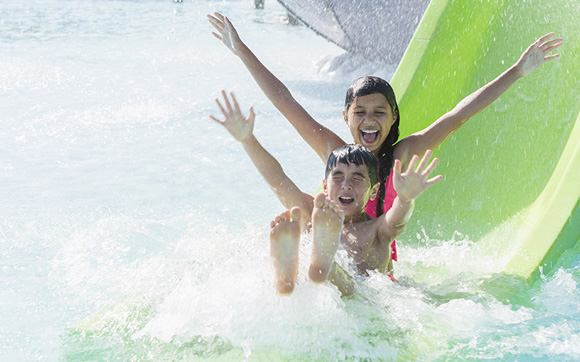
(134, 228)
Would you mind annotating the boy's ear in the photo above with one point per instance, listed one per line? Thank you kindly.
(375, 191)
(345, 116)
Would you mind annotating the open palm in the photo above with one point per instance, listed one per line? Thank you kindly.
(225, 31)
(538, 53)
(414, 181)
(239, 126)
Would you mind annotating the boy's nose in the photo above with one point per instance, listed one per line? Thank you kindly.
(346, 185)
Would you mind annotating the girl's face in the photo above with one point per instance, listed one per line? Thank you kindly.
(369, 119)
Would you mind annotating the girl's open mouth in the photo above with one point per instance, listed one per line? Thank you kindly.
(369, 136)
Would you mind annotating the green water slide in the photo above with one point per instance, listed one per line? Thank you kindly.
(512, 173)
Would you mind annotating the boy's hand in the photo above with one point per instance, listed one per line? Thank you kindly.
(241, 128)
(414, 181)
(226, 31)
(537, 53)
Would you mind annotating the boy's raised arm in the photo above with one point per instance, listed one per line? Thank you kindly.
(431, 137)
(320, 138)
(242, 129)
(409, 186)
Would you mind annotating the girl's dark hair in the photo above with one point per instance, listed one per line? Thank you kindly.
(370, 85)
(355, 154)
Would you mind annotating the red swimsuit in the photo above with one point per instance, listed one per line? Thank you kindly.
(390, 195)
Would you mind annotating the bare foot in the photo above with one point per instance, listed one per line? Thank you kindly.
(284, 248)
(327, 224)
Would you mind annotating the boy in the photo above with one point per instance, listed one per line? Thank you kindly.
(338, 215)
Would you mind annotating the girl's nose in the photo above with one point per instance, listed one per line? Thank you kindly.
(368, 118)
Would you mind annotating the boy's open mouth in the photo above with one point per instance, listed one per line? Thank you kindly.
(370, 136)
(345, 200)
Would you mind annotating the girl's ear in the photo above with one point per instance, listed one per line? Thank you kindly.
(375, 191)
(325, 187)
(395, 117)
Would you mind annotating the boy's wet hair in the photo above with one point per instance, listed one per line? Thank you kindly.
(355, 154)
(371, 85)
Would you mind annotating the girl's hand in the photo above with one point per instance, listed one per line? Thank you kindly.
(414, 181)
(225, 31)
(537, 53)
(240, 127)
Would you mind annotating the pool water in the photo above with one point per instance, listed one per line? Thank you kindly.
(132, 227)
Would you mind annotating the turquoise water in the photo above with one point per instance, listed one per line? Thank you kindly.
(134, 228)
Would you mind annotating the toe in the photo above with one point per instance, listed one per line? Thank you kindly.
(295, 214)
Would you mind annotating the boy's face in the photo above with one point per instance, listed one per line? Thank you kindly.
(349, 186)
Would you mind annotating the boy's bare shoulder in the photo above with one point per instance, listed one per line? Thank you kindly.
(383, 232)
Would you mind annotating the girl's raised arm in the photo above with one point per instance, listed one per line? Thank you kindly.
(320, 138)
(432, 136)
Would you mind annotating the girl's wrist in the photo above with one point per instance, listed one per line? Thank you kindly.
(240, 49)
(248, 140)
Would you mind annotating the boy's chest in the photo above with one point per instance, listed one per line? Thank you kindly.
(364, 247)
